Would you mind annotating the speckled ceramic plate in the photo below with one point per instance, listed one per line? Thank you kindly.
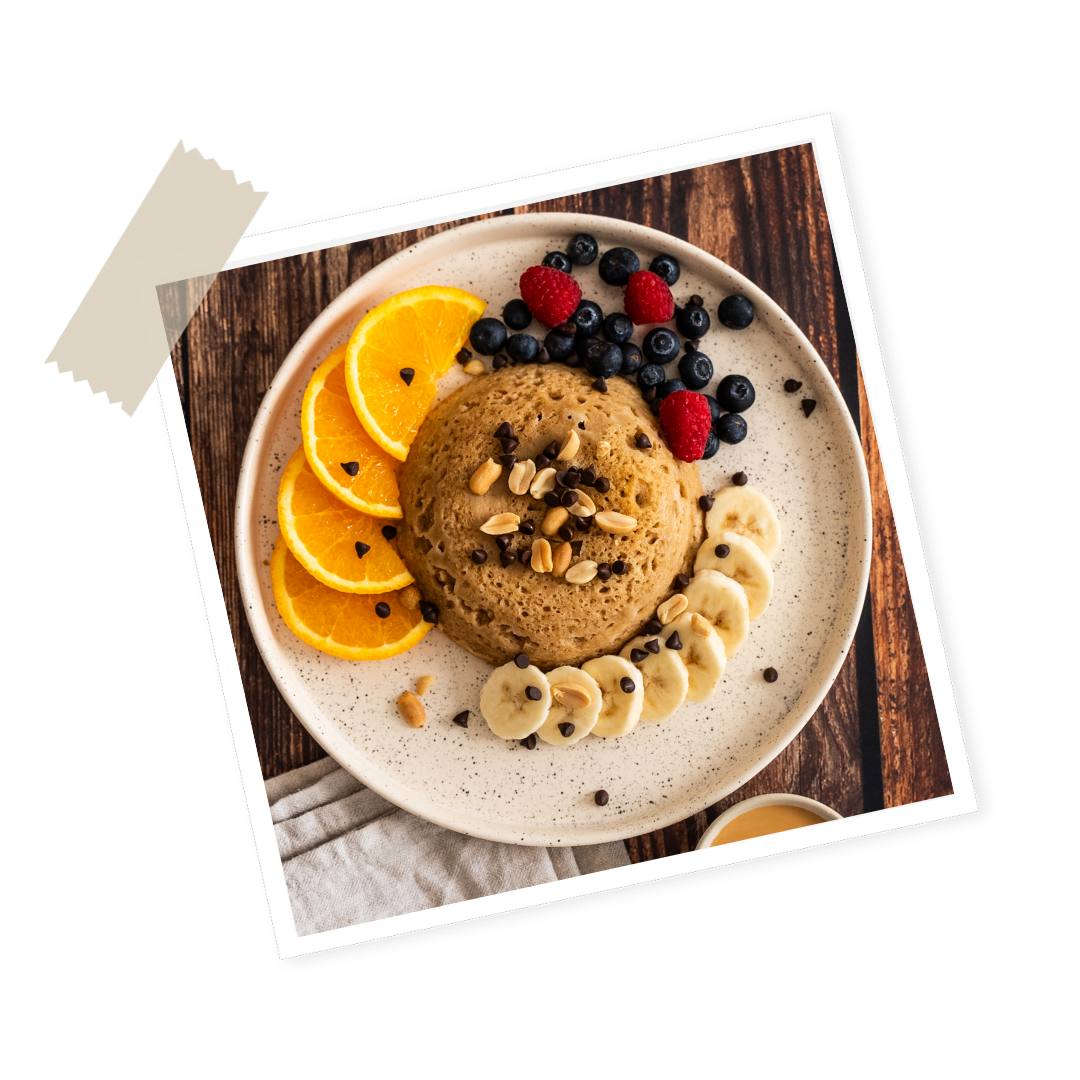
(470, 780)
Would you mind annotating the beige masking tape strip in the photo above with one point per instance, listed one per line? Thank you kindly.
(186, 227)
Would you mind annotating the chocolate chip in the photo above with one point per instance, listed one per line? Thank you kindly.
(674, 642)
(603, 571)
(566, 532)
(543, 357)
(643, 442)
(569, 498)
(382, 609)
(462, 719)
(499, 362)
(407, 375)
(619, 567)
(637, 655)
(603, 485)
(601, 798)
(464, 356)
(722, 551)
(509, 444)
(690, 346)
(808, 406)
(362, 549)
(560, 478)
(706, 502)
(771, 674)
(695, 299)
(792, 385)
(552, 449)
(504, 431)
(525, 556)
(527, 527)
(389, 531)
(522, 660)
(542, 461)
(479, 556)
(502, 542)
(653, 626)
(627, 685)
(507, 559)
(653, 645)
(583, 524)
(551, 499)
(654, 405)
(680, 582)
(429, 611)
(588, 477)
(508, 460)
(569, 328)
(573, 478)
(600, 386)
(351, 467)
(533, 693)
(530, 742)
(566, 729)
(739, 479)
(650, 394)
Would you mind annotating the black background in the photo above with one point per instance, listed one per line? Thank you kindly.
(129, 671)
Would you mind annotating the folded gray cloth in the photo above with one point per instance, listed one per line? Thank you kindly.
(349, 856)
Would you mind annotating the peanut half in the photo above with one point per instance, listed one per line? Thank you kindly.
(423, 684)
(484, 477)
(410, 597)
(501, 524)
(700, 625)
(584, 507)
(570, 446)
(541, 557)
(543, 483)
(554, 520)
(475, 367)
(409, 706)
(571, 696)
(672, 608)
(581, 572)
(560, 561)
(613, 522)
(521, 476)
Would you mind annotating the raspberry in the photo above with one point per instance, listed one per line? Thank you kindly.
(551, 295)
(648, 298)
(687, 420)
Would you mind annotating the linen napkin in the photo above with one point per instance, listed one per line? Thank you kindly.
(349, 856)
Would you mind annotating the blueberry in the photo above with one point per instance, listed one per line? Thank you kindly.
(660, 346)
(693, 321)
(559, 346)
(618, 327)
(712, 444)
(516, 315)
(559, 261)
(666, 267)
(669, 387)
(583, 249)
(617, 265)
(731, 428)
(735, 393)
(487, 336)
(714, 408)
(631, 359)
(651, 375)
(696, 370)
(603, 359)
(589, 318)
(736, 312)
(523, 348)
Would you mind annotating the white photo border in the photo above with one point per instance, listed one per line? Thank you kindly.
(260, 247)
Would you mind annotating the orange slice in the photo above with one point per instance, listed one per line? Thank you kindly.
(341, 624)
(420, 330)
(334, 438)
(323, 533)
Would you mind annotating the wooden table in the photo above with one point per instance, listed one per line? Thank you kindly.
(874, 742)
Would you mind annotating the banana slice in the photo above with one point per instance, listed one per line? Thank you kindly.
(702, 652)
(745, 563)
(621, 709)
(506, 705)
(722, 601)
(569, 687)
(747, 512)
(665, 676)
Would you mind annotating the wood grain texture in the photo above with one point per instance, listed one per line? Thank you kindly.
(763, 215)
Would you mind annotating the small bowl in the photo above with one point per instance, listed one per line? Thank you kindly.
(826, 813)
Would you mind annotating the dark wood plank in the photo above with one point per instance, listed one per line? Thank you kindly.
(913, 761)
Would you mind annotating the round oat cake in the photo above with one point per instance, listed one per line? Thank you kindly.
(497, 611)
